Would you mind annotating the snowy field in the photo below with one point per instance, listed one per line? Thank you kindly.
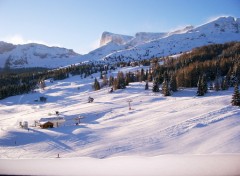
(156, 129)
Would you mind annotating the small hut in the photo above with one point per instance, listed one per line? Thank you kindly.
(55, 120)
(46, 124)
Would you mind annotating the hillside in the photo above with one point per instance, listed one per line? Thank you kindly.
(224, 29)
(116, 47)
(35, 55)
(155, 125)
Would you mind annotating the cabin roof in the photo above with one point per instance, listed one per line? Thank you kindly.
(44, 122)
(57, 118)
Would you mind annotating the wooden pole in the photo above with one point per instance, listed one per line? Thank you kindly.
(129, 104)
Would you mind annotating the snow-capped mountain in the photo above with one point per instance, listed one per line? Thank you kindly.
(224, 29)
(143, 37)
(35, 55)
(143, 45)
(108, 37)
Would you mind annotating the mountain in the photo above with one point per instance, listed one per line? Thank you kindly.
(143, 37)
(116, 47)
(35, 55)
(222, 30)
(108, 37)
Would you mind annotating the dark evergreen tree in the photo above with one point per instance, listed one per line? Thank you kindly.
(111, 80)
(105, 81)
(142, 77)
(150, 77)
(224, 84)
(96, 84)
(121, 80)
(200, 91)
(127, 79)
(146, 85)
(155, 86)
(165, 87)
(216, 84)
(173, 83)
(115, 84)
(236, 96)
(146, 76)
(204, 84)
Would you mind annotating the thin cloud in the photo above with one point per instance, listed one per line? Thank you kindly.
(92, 46)
(213, 18)
(178, 28)
(18, 39)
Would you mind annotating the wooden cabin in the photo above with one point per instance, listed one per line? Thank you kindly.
(46, 124)
(56, 120)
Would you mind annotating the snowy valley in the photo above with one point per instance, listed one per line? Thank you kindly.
(181, 124)
(155, 126)
(124, 130)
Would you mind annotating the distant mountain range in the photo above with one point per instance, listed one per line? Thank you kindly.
(116, 47)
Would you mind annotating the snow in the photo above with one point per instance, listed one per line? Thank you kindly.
(36, 55)
(114, 38)
(154, 126)
(144, 45)
(178, 135)
(161, 131)
(167, 165)
(219, 31)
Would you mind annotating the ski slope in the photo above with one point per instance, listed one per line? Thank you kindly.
(155, 125)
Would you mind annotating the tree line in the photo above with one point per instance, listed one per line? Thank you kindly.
(217, 64)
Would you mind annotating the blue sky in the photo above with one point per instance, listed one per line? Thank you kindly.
(78, 24)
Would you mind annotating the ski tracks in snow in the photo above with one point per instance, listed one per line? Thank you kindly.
(199, 121)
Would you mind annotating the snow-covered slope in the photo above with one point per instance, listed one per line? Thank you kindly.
(102, 51)
(224, 29)
(166, 165)
(155, 125)
(35, 55)
(143, 37)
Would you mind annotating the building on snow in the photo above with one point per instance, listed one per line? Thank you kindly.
(55, 120)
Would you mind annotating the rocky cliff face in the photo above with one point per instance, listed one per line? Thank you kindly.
(108, 37)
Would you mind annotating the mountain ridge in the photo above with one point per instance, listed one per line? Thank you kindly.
(117, 47)
(35, 55)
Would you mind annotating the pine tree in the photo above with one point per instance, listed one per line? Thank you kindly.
(204, 84)
(165, 88)
(111, 80)
(142, 77)
(236, 96)
(165, 85)
(173, 83)
(121, 81)
(146, 85)
(127, 79)
(155, 86)
(200, 91)
(216, 84)
(96, 84)
(146, 76)
(115, 84)
(105, 80)
(150, 77)
(224, 85)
